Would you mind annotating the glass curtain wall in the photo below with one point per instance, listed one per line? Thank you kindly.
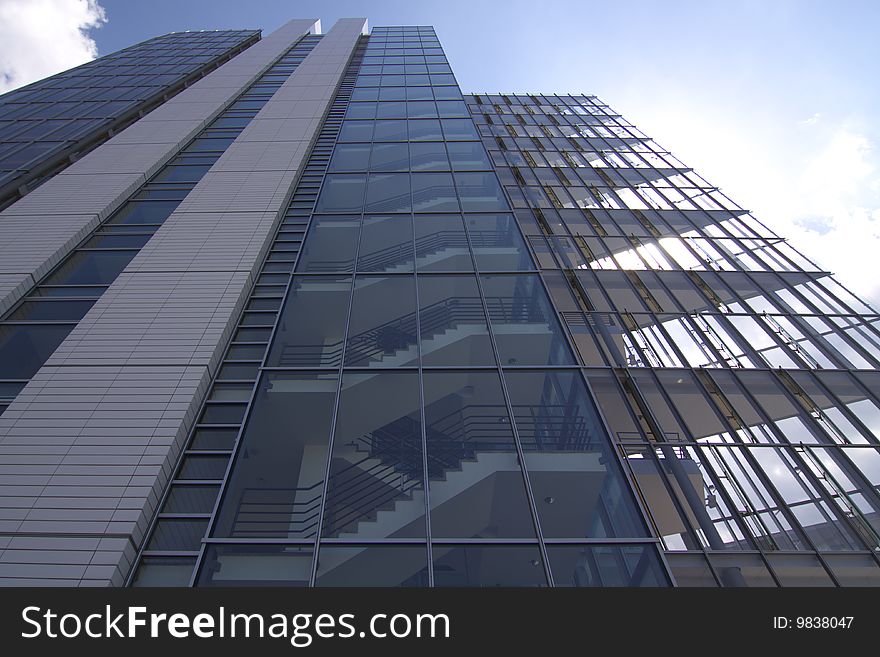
(738, 378)
(419, 418)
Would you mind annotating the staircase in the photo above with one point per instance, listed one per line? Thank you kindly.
(442, 325)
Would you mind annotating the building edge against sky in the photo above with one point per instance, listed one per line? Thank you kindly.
(320, 319)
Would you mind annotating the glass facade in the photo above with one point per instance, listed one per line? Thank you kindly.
(48, 124)
(738, 379)
(502, 340)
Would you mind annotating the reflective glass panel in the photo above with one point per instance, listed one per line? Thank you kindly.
(497, 243)
(382, 328)
(453, 322)
(579, 490)
(91, 268)
(342, 193)
(350, 157)
(476, 481)
(25, 348)
(388, 192)
(331, 245)
(276, 483)
(441, 244)
(375, 488)
(386, 244)
(373, 565)
(524, 323)
(256, 565)
(488, 565)
(480, 192)
(606, 565)
(312, 323)
(389, 157)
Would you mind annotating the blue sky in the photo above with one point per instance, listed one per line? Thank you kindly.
(774, 101)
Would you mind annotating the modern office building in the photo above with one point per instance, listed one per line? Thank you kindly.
(295, 311)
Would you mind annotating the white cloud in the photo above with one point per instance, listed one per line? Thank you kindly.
(819, 187)
(39, 38)
(832, 209)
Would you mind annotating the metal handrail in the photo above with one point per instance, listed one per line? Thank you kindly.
(359, 492)
(432, 320)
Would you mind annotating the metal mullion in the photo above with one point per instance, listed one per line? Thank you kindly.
(838, 456)
(333, 420)
(808, 476)
(696, 445)
(645, 517)
(426, 483)
(845, 410)
(515, 431)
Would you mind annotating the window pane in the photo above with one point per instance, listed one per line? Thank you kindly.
(364, 94)
(41, 310)
(451, 93)
(361, 111)
(373, 565)
(392, 110)
(386, 244)
(428, 156)
(497, 243)
(191, 499)
(425, 130)
(185, 174)
(419, 93)
(24, 349)
(476, 482)
(118, 240)
(375, 489)
(389, 157)
(144, 212)
(488, 565)
(453, 323)
(468, 156)
(433, 192)
(312, 323)
(441, 244)
(389, 130)
(526, 329)
(421, 109)
(350, 157)
(393, 93)
(460, 130)
(388, 192)
(578, 488)
(214, 438)
(256, 565)
(342, 193)
(480, 192)
(277, 480)
(164, 571)
(176, 534)
(208, 466)
(356, 131)
(612, 565)
(91, 268)
(331, 245)
(452, 108)
(382, 329)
